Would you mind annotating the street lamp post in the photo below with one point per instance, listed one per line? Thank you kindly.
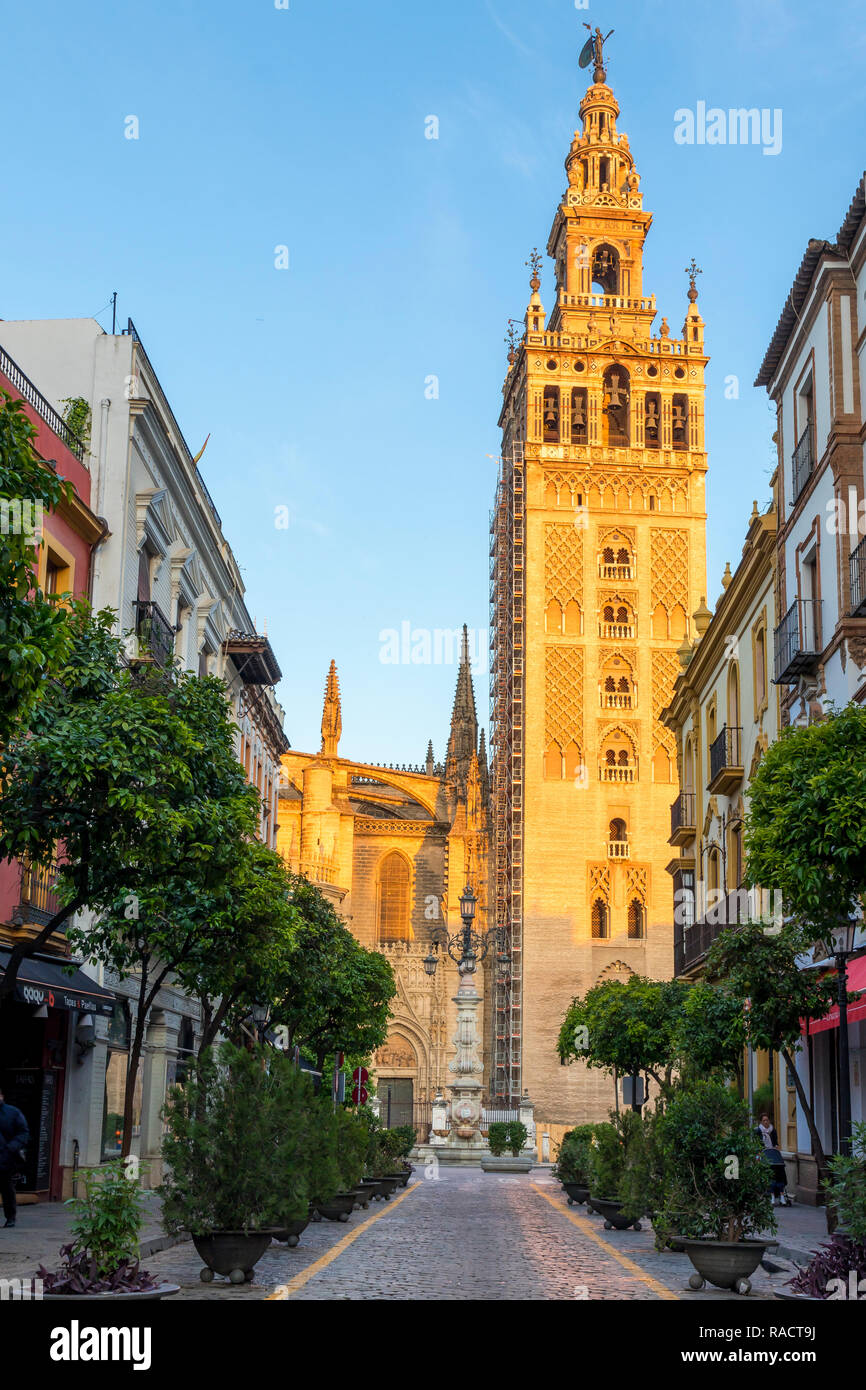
(843, 947)
(467, 948)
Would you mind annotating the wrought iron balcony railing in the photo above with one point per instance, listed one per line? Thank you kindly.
(798, 641)
(683, 827)
(726, 760)
(857, 568)
(154, 632)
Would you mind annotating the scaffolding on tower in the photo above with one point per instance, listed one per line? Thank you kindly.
(507, 635)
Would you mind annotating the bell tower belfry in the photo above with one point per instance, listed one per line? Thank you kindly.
(598, 565)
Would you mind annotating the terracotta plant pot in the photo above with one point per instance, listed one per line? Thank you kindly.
(725, 1263)
(235, 1253)
(612, 1213)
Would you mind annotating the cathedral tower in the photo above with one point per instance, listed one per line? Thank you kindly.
(598, 564)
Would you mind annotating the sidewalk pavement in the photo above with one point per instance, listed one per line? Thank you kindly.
(801, 1229)
(42, 1228)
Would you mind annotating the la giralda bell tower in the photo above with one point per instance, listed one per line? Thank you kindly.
(598, 574)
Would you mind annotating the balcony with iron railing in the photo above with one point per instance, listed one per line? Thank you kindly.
(802, 462)
(726, 761)
(39, 901)
(43, 408)
(154, 632)
(798, 641)
(693, 940)
(683, 826)
(857, 571)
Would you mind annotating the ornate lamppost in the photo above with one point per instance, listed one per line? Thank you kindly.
(467, 948)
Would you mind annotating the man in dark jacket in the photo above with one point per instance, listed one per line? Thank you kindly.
(14, 1135)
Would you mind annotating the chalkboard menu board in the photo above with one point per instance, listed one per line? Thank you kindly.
(34, 1093)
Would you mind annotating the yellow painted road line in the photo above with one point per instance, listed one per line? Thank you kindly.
(284, 1291)
(584, 1226)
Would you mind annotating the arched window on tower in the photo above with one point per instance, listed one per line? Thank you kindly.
(551, 414)
(616, 406)
(394, 894)
(652, 419)
(599, 919)
(605, 261)
(578, 414)
(680, 421)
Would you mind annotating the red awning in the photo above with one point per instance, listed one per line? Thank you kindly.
(856, 1011)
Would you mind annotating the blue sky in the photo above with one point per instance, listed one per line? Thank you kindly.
(304, 127)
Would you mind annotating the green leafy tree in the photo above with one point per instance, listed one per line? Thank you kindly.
(805, 832)
(334, 994)
(627, 1026)
(758, 962)
(133, 773)
(711, 1032)
(33, 627)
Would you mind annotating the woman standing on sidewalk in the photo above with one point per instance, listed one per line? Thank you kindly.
(779, 1177)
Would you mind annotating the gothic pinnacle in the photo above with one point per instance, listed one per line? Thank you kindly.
(332, 718)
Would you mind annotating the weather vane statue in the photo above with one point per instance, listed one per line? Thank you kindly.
(593, 50)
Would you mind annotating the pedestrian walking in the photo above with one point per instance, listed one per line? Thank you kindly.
(14, 1137)
(766, 1132)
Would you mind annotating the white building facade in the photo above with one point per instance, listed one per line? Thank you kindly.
(168, 572)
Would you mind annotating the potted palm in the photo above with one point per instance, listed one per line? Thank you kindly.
(234, 1156)
(102, 1259)
(718, 1198)
(572, 1163)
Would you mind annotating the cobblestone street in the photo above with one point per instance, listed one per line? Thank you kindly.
(465, 1235)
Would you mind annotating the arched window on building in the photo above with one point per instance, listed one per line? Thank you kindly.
(578, 414)
(636, 920)
(652, 420)
(680, 421)
(599, 919)
(394, 899)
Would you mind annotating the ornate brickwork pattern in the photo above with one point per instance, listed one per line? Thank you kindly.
(598, 877)
(571, 485)
(563, 564)
(563, 696)
(637, 884)
(665, 669)
(669, 561)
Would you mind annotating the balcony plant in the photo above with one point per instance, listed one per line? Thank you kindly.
(236, 1152)
(717, 1197)
(102, 1259)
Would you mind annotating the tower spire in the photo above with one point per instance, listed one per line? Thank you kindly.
(463, 738)
(332, 718)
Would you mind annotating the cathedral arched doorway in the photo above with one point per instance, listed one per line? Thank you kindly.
(396, 1081)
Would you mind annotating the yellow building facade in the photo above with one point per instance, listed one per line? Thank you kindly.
(393, 848)
(597, 566)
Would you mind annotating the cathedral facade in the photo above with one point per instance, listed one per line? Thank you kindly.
(393, 848)
(597, 569)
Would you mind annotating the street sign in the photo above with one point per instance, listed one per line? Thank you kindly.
(360, 1076)
(359, 1095)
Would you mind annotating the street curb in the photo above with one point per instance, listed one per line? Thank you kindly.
(157, 1243)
